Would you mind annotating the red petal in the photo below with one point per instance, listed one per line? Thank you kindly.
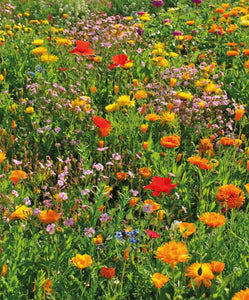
(120, 59)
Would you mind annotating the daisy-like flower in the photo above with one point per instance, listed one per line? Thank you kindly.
(186, 229)
(167, 117)
(172, 253)
(213, 219)
(171, 141)
(201, 273)
(231, 196)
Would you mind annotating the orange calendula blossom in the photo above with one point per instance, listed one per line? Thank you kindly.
(17, 175)
(48, 217)
(170, 141)
(159, 280)
(241, 295)
(145, 172)
(231, 196)
(213, 219)
(239, 113)
(201, 273)
(152, 117)
(217, 266)
(82, 261)
(202, 163)
(186, 229)
(172, 253)
(107, 273)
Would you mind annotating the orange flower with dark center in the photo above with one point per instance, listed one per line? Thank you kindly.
(241, 295)
(145, 172)
(201, 273)
(159, 280)
(107, 273)
(82, 48)
(103, 124)
(48, 217)
(121, 176)
(202, 163)
(213, 219)
(217, 266)
(231, 196)
(119, 61)
(170, 141)
(17, 175)
(172, 253)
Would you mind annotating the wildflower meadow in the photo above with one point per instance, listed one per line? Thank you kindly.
(124, 149)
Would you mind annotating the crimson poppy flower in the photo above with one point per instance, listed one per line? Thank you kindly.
(159, 185)
(82, 48)
(103, 124)
(119, 61)
(152, 234)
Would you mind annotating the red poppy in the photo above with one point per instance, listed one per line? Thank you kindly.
(119, 61)
(103, 124)
(152, 234)
(159, 185)
(82, 48)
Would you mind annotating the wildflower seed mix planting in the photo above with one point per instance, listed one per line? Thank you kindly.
(124, 149)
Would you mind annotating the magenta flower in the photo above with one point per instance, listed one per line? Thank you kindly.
(157, 3)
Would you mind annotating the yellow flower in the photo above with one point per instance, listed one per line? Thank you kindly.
(39, 51)
(159, 280)
(185, 96)
(186, 229)
(124, 100)
(128, 65)
(98, 240)
(82, 261)
(112, 107)
(49, 58)
(167, 117)
(97, 59)
(21, 212)
(1, 77)
(38, 42)
(29, 110)
(60, 41)
(172, 253)
(2, 156)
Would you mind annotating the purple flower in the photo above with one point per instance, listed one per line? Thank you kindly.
(89, 232)
(68, 222)
(36, 212)
(105, 217)
(197, 1)
(177, 33)
(50, 228)
(157, 3)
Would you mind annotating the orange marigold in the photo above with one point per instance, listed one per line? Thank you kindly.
(133, 201)
(239, 113)
(202, 163)
(170, 141)
(121, 176)
(2, 156)
(206, 147)
(82, 261)
(246, 64)
(152, 117)
(213, 219)
(186, 229)
(201, 273)
(173, 253)
(242, 295)
(246, 52)
(217, 266)
(17, 175)
(159, 280)
(230, 195)
(232, 53)
(107, 273)
(48, 217)
(145, 172)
